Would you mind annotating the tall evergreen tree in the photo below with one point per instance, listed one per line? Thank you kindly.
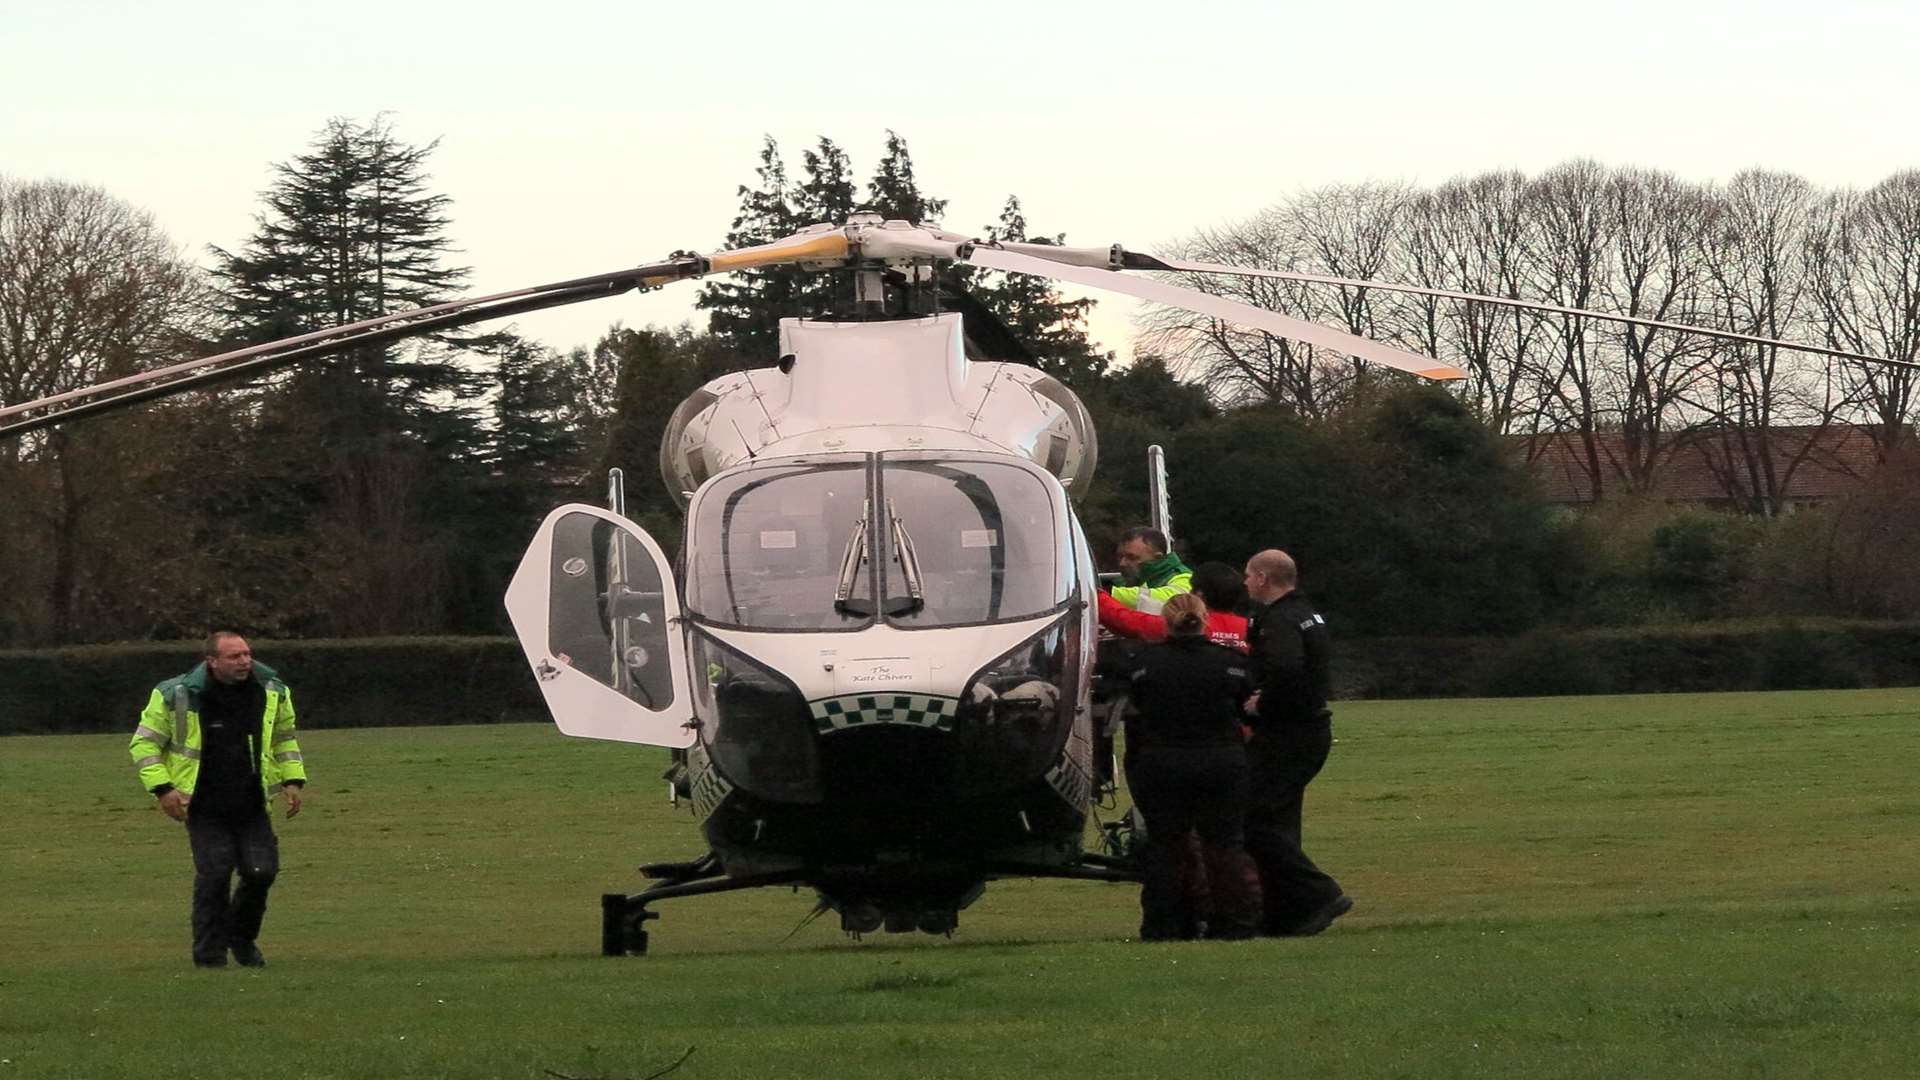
(380, 452)
(746, 308)
(745, 311)
(656, 368)
(894, 194)
(828, 192)
(351, 232)
(1148, 389)
(1053, 328)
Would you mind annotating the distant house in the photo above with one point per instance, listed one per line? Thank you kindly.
(1724, 468)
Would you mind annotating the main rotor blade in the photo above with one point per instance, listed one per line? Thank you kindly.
(823, 245)
(261, 364)
(1135, 260)
(257, 359)
(814, 245)
(1220, 308)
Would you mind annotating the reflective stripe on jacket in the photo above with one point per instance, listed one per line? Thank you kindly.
(166, 744)
(1162, 579)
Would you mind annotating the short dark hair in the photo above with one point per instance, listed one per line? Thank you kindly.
(213, 641)
(1153, 537)
(1220, 585)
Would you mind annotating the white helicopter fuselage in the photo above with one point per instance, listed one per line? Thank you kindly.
(898, 384)
(884, 603)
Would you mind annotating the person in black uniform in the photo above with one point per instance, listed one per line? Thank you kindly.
(1191, 775)
(1292, 735)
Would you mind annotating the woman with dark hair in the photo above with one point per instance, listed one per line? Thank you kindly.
(1190, 775)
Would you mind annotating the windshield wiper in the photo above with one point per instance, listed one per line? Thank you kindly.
(850, 563)
(909, 562)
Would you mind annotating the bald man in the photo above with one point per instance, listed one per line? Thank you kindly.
(1292, 734)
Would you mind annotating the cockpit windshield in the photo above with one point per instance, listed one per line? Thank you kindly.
(766, 546)
(810, 545)
(979, 539)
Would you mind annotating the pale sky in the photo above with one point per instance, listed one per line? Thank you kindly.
(582, 137)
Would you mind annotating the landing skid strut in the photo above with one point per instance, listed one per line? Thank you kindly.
(624, 918)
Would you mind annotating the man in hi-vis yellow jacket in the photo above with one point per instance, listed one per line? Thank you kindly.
(214, 746)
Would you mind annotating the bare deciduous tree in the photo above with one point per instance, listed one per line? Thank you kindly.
(1757, 248)
(1763, 255)
(1658, 272)
(1865, 260)
(1566, 245)
(90, 289)
(1241, 366)
(1467, 236)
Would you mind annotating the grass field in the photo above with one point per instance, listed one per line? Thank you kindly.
(1713, 885)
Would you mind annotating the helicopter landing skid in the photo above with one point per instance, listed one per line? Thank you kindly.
(679, 873)
(623, 918)
(1091, 867)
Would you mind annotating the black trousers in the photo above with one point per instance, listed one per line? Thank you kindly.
(1283, 760)
(1203, 791)
(225, 916)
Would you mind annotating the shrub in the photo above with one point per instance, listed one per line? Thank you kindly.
(1697, 561)
(1690, 658)
(367, 683)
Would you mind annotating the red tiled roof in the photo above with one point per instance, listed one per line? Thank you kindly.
(1708, 465)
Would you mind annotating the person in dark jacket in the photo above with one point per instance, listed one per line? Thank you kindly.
(1292, 735)
(1190, 774)
(213, 746)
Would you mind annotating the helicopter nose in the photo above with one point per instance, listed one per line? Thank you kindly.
(887, 763)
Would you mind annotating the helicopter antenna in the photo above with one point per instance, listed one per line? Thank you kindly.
(1158, 508)
(743, 440)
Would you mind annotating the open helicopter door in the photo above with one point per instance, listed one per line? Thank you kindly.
(594, 607)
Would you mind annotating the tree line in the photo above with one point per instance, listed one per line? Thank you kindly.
(1766, 254)
(390, 490)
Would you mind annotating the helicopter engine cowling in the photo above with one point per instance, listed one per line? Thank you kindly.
(902, 384)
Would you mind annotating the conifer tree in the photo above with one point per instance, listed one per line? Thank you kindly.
(827, 194)
(372, 464)
(351, 232)
(893, 193)
(745, 308)
(745, 311)
(1053, 328)
(656, 369)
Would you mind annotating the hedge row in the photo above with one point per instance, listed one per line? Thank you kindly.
(405, 681)
(378, 682)
(1642, 660)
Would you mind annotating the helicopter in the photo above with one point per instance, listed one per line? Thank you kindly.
(873, 661)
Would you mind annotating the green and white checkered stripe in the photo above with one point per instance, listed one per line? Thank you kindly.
(861, 710)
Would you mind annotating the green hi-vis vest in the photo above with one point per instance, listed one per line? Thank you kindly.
(1162, 579)
(166, 745)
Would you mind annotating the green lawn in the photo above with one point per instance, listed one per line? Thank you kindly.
(1637, 886)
